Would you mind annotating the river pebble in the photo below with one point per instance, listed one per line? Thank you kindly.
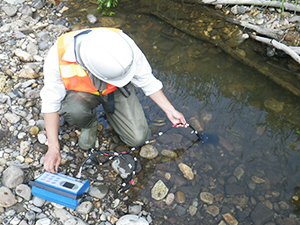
(213, 210)
(132, 220)
(12, 177)
(148, 152)
(179, 197)
(7, 198)
(186, 170)
(207, 197)
(159, 190)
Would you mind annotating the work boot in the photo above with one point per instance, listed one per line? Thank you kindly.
(88, 136)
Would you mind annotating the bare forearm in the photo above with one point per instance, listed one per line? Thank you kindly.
(174, 116)
(52, 125)
(161, 100)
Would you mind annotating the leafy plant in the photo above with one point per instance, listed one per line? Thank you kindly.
(298, 131)
(106, 5)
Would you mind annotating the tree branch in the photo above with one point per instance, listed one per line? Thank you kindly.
(277, 4)
(278, 45)
(269, 32)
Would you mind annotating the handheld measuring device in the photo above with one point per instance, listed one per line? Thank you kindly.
(59, 188)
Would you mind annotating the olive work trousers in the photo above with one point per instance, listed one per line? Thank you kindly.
(128, 119)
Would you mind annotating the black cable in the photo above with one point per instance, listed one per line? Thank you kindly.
(111, 155)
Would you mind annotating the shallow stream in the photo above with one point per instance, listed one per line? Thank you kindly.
(258, 161)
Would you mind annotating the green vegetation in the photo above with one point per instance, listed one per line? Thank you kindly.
(282, 5)
(106, 6)
(298, 131)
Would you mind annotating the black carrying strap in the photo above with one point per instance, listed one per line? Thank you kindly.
(111, 103)
(111, 99)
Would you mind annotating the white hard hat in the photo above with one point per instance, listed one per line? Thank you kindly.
(108, 56)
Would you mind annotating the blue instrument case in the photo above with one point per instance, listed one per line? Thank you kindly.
(59, 188)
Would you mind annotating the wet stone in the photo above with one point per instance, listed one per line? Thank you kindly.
(159, 191)
(274, 105)
(207, 197)
(234, 189)
(148, 152)
(192, 210)
(179, 197)
(135, 209)
(186, 170)
(178, 180)
(190, 191)
(251, 185)
(239, 172)
(170, 198)
(261, 214)
(180, 210)
(169, 153)
(239, 200)
(213, 210)
(230, 219)
(257, 180)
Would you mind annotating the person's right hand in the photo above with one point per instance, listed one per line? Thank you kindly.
(52, 160)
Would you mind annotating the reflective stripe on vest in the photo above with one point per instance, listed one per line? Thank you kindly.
(74, 77)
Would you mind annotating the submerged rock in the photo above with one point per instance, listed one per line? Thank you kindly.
(230, 219)
(148, 152)
(274, 105)
(207, 197)
(159, 191)
(186, 170)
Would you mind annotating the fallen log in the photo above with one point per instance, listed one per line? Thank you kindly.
(277, 45)
(277, 4)
(269, 32)
(295, 49)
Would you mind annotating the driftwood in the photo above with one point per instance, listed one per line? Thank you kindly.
(278, 4)
(278, 45)
(269, 32)
(295, 49)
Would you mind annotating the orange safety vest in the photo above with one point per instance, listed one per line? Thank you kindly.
(74, 77)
